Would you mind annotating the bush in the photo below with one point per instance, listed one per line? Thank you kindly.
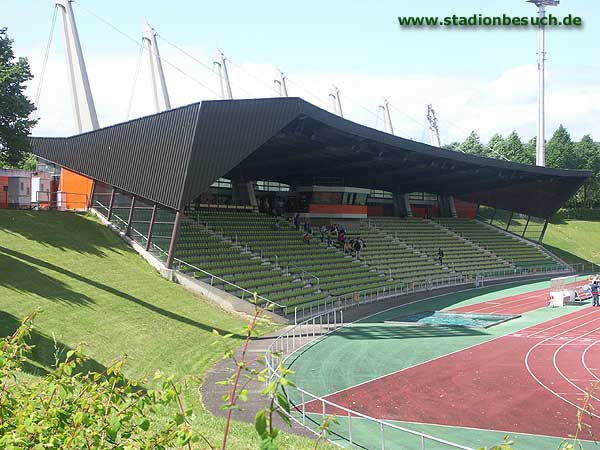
(576, 213)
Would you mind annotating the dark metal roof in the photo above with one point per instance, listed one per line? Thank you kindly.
(173, 156)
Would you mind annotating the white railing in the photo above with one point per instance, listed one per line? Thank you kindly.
(299, 336)
(367, 296)
(179, 263)
(246, 294)
(362, 297)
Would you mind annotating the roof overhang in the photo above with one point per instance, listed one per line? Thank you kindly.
(173, 156)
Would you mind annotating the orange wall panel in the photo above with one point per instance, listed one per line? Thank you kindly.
(3, 193)
(77, 187)
(375, 210)
(337, 209)
(465, 209)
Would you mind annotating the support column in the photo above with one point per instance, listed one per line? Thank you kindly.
(243, 193)
(401, 205)
(130, 218)
(493, 217)
(407, 206)
(509, 220)
(91, 201)
(526, 225)
(110, 205)
(151, 228)
(174, 236)
(541, 239)
(452, 206)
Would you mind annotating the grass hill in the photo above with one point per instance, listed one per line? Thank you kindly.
(92, 288)
(576, 241)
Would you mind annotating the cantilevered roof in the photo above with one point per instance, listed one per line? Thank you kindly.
(173, 156)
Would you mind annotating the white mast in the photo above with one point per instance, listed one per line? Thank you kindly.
(81, 94)
(336, 102)
(224, 83)
(433, 126)
(159, 85)
(281, 85)
(540, 154)
(387, 118)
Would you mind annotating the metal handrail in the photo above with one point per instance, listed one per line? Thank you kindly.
(213, 277)
(281, 346)
(271, 305)
(303, 271)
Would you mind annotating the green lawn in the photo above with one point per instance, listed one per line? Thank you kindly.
(576, 241)
(92, 288)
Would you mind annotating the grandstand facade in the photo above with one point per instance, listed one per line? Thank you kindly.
(211, 189)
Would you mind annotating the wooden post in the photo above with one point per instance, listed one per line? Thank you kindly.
(130, 218)
(174, 236)
(110, 205)
(150, 228)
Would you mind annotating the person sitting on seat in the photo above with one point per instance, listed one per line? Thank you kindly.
(306, 238)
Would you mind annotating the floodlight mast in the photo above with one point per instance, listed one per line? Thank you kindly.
(387, 119)
(84, 109)
(433, 126)
(336, 102)
(224, 83)
(281, 85)
(540, 154)
(160, 93)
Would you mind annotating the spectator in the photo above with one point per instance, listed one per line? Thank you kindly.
(341, 239)
(296, 221)
(348, 246)
(275, 226)
(358, 246)
(307, 238)
(323, 233)
(329, 240)
(440, 255)
(594, 290)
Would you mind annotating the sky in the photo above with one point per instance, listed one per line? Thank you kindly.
(477, 79)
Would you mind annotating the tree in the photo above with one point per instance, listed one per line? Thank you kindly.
(514, 149)
(495, 146)
(472, 145)
(452, 146)
(588, 155)
(530, 150)
(560, 150)
(15, 107)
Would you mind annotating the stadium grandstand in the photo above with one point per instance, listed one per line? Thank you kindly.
(235, 193)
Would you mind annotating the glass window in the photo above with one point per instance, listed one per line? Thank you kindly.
(361, 199)
(327, 198)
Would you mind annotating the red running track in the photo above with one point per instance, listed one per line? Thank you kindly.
(532, 381)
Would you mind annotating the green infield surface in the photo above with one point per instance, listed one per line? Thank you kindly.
(354, 364)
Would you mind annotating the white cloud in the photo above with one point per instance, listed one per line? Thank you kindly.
(463, 102)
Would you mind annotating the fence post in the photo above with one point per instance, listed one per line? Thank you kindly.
(350, 427)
